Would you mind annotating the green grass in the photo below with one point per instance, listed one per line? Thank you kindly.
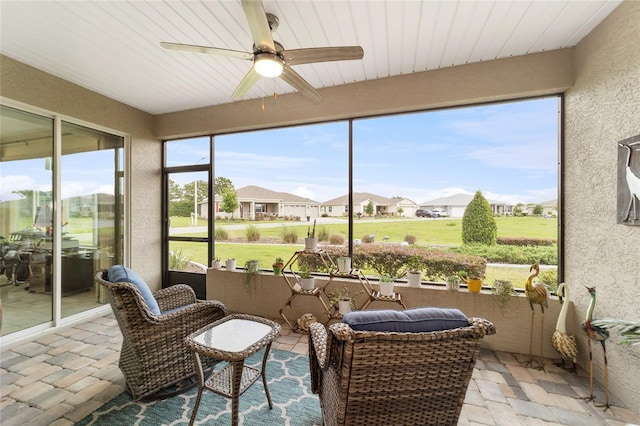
(440, 232)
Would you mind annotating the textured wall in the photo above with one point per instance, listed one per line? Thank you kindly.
(33, 87)
(602, 108)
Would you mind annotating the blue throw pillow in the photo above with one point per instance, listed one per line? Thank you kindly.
(415, 320)
(120, 273)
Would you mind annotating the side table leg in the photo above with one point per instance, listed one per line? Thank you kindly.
(264, 375)
(236, 380)
(201, 380)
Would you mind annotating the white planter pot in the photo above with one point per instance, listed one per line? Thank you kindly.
(453, 285)
(230, 264)
(308, 283)
(216, 264)
(386, 289)
(311, 243)
(414, 279)
(344, 306)
(344, 265)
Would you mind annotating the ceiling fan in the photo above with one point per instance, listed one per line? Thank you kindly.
(269, 57)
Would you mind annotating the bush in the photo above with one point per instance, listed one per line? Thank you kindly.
(411, 239)
(367, 239)
(549, 278)
(478, 224)
(289, 236)
(517, 255)
(180, 208)
(525, 241)
(323, 234)
(336, 239)
(394, 260)
(252, 233)
(221, 234)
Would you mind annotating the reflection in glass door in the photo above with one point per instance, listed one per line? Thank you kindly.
(26, 148)
(91, 218)
(78, 229)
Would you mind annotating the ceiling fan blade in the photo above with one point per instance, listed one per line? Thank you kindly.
(322, 54)
(301, 85)
(259, 26)
(247, 82)
(206, 49)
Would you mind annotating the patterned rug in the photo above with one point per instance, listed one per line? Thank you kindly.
(289, 386)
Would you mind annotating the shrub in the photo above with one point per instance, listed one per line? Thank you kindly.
(323, 234)
(525, 241)
(336, 239)
(519, 255)
(180, 208)
(411, 239)
(367, 239)
(252, 233)
(478, 224)
(177, 262)
(289, 236)
(221, 234)
(394, 260)
(549, 277)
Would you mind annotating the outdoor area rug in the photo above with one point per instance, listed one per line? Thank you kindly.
(289, 385)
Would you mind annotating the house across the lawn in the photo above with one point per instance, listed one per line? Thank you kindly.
(395, 206)
(454, 205)
(255, 201)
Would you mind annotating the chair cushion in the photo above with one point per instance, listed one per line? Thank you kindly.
(120, 273)
(415, 320)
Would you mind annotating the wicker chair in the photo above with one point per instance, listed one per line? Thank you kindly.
(389, 378)
(154, 355)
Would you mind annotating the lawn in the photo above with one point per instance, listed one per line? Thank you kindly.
(438, 232)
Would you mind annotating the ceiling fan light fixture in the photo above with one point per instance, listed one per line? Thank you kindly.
(268, 64)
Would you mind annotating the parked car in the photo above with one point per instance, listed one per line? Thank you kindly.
(424, 213)
(439, 213)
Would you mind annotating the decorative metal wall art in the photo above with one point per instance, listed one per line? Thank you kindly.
(629, 181)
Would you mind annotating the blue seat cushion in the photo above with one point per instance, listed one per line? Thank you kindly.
(120, 273)
(415, 320)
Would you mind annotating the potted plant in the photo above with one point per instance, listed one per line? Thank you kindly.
(230, 264)
(414, 272)
(386, 285)
(216, 264)
(307, 281)
(277, 266)
(311, 242)
(503, 290)
(344, 264)
(251, 269)
(342, 300)
(453, 282)
(474, 282)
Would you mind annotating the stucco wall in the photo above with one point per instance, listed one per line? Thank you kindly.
(33, 87)
(602, 108)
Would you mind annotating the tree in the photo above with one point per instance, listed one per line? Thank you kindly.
(229, 201)
(517, 211)
(203, 191)
(538, 210)
(478, 224)
(400, 211)
(368, 209)
(175, 191)
(222, 184)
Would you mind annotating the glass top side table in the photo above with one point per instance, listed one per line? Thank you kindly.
(233, 339)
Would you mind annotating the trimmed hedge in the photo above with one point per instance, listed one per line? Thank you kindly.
(525, 241)
(518, 255)
(393, 260)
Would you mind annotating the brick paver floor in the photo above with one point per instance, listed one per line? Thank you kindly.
(63, 375)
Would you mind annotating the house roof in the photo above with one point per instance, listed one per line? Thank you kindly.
(456, 200)
(361, 197)
(257, 193)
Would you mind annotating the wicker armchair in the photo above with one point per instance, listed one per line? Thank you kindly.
(154, 355)
(389, 378)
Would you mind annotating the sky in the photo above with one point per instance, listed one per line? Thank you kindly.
(506, 150)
